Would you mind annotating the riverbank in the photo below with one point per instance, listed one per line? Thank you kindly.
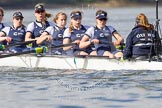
(109, 4)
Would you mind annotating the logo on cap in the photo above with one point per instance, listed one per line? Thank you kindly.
(18, 14)
(39, 8)
(101, 15)
(75, 15)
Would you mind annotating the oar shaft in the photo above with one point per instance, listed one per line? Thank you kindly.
(20, 43)
(3, 47)
(64, 45)
(14, 54)
(36, 50)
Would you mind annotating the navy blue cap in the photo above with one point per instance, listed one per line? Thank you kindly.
(76, 15)
(101, 16)
(39, 8)
(18, 14)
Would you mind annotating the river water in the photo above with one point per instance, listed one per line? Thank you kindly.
(29, 88)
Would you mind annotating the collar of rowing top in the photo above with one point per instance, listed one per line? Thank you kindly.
(38, 21)
(46, 22)
(139, 26)
(58, 28)
(104, 28)
(18, 28)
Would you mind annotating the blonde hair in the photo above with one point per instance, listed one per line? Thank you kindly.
(142, 20)
(57, 15)
(71, 25)
(2, 11)
(47, 14)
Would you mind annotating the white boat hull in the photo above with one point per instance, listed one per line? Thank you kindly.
(64, 62)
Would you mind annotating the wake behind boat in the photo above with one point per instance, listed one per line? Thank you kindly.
(68, 62)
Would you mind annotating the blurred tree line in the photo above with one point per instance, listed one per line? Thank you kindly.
(30, 3)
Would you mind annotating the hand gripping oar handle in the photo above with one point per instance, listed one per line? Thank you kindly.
(120, 47)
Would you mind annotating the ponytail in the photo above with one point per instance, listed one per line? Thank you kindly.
(2, 11)
(47, 15)
(71, 28)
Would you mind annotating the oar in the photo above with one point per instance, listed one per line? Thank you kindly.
(64, 45)
(3, 47)
(119, 47)
(36, 50)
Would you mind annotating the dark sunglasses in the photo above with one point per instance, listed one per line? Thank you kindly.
(103, 19)
(1, 15)
(39, 11)
(19, 18)
(77, 19)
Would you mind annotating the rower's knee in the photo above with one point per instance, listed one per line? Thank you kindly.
(119, 54)
(93, 53)
(107, 53)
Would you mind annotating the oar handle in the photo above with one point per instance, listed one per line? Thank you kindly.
(121, 46)
(2, 47)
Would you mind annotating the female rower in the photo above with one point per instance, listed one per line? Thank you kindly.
(54, 34)
(142, 39)
(15, 33)
(74, 33)
(101, 36)
(2, 25)
(36, 28)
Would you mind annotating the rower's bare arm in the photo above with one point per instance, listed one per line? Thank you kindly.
(44, 37)
(2, 34)
(28, 37)
(66, 41)
(85, 42)
(118, 38)
(7, 38)
(4, 37)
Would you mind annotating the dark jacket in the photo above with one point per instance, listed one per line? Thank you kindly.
(140, 42)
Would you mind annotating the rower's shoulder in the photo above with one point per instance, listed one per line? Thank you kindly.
(6, 25)
(91, 28)
(51, 23)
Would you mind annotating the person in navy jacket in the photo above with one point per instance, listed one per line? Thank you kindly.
(141, 40)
